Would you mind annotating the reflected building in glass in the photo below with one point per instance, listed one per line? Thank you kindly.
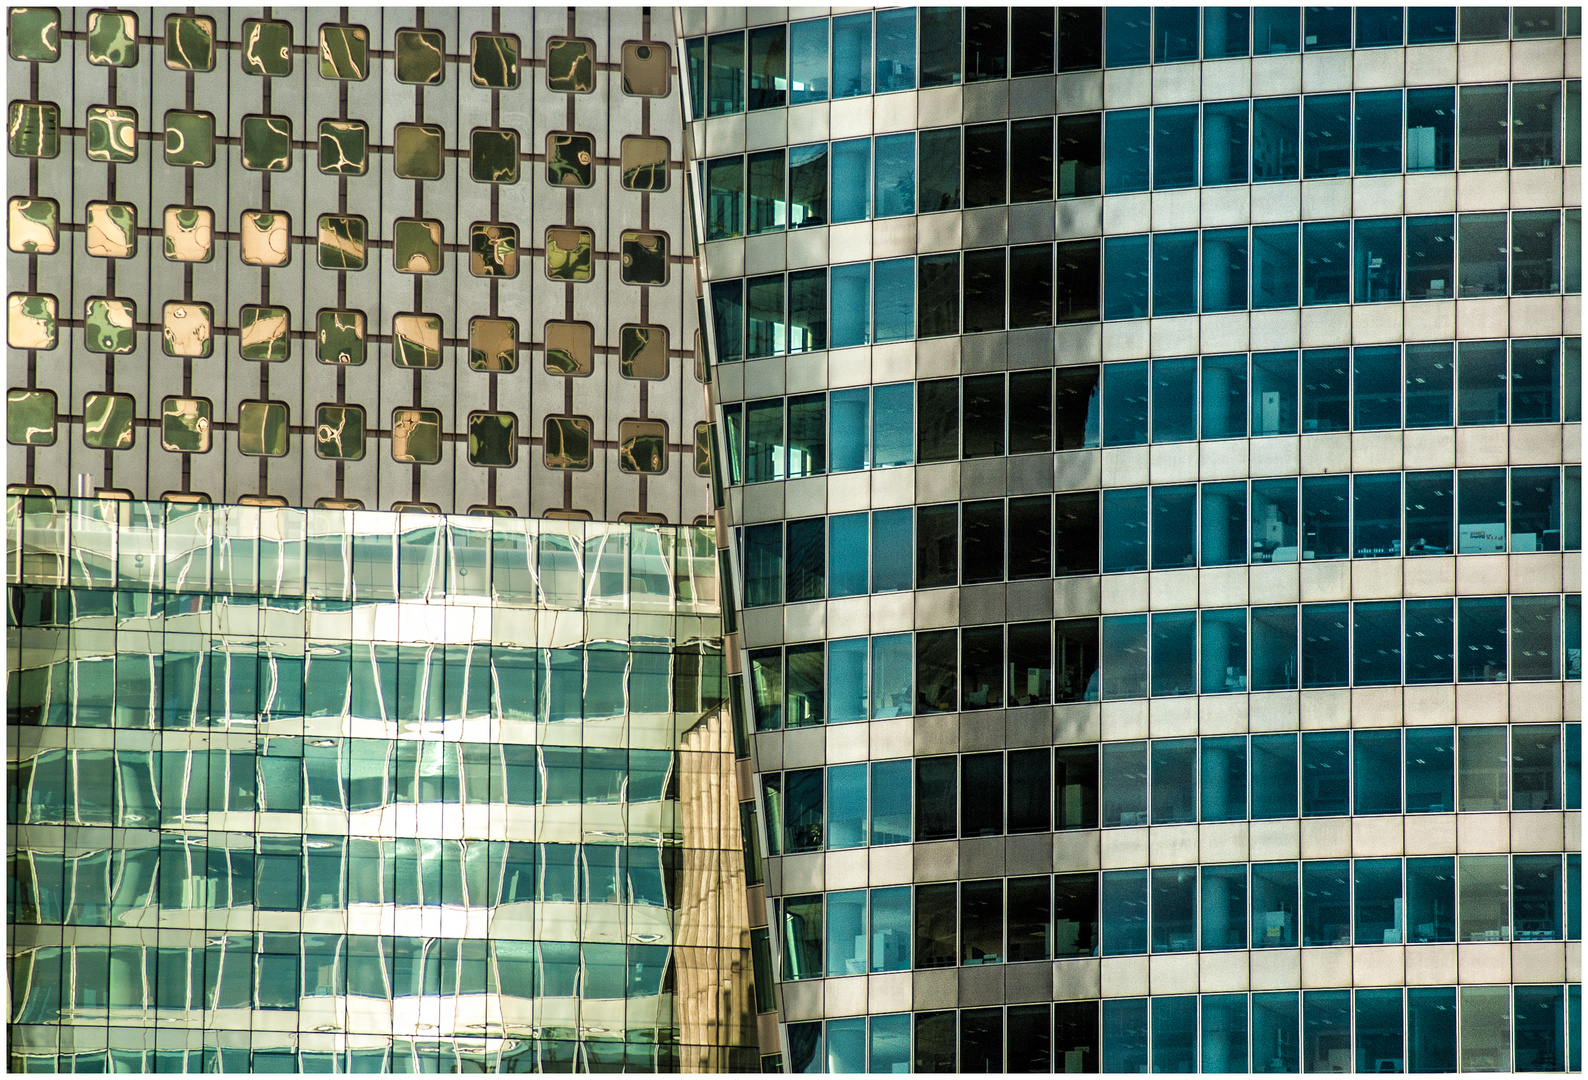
(1150, 475)
(366, 695)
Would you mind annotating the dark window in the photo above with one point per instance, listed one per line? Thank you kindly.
(984, 290)
(940, 47)
(986, 162)
(1075, 666)
(935, 799)
(981, 672)
(1030, 157)
(936, 663)
(1078, 281)
(1030, 538)
(936, 546)
(1325, 773)
(1077, 408)
(1075, 787)
(1031, 45)
(938, 408)
(1031, 286)
(986, 43)
(768, 67)
(937, 295)
(1030, 785)
(982, 794)
(1080, 41)
(1075, 915)
(983, 542)
(936, 914)
(938, 176)
(1080, 151)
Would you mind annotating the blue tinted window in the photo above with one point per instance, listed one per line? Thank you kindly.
(1125, 276)
(1276, 126)
(1125, 401)
(1273, 775)
(1127, 43)
(807, 75)
(895, 174)
(1378, 131)
(851, 305)
(891, 544)
(1126, 145)
(1275, 263)
(895, 50)
(1124, 531)
(847, 542)
(1380, 1029)
(1124, 911)
(1224, 256)
(1378, 261)
(894, 300)
(1224, 1033)
(847, 679)
(891, 676)
(1174, 282)
(1174, 143)
(893, 440)
(1325, 262)
(852, 55)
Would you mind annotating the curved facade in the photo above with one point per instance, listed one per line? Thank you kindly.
(1149, 446)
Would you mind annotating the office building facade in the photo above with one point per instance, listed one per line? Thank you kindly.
(1149, 456)
(366, 693)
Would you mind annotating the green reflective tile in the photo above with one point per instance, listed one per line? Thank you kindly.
(416, 436)
(189, 233)
(33, 129)
(30, 417)
(266, 48)
(185, 425)
(570, 65)
(264, 333)
(418, 152)
(262, 428)
(567, 442)
(642, 352)
(339, 432)
(493, 156)
(416, 246)
(493, 61)
(112, 134)
(267, 143)
(33, 226)
(493, 439)
(702, 449)
(644, 257)
(570, 347)
(35, 33)
(421, 57)
(110, 325)
(112, 38)
(644, 163)
(111, 230)
(416, 340)
(189, 42)
(569, 254)
(344, 147)
(108, 421)
(341, 242)
(570, 159)
(264, 238)
(493, 344)
(339, 337)
(189, 138)
(642, 446)
(646, 69)
(187, 328)
(344, 52)
(31, 321)
(493, 250)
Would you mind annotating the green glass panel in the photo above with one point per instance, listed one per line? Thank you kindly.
(418, 152)
(111, 133)
(30, 417)
(264, 333)
(344, 52)
(642, 352)
(112, 38)
(493, 61)
(266, 48)
(644, 257)
(570, 65)
(339, 337)
(421, 57)
(189, 234)
(34, 129)
(568, 441)
(111, 231)
(493, 250)
(569, 254)
(416, 436)
(416, 341)
(339, 432)
(31, 321)
(187, 328)
(493, 344)
(493, 439)
(189, 138)
(416, 246)
(493, 156)
(267, 143)
(644, 163)
(33, 225)
(109, 325)
(185, 425)
(36, 33)
(642, 446)
(341, 242)
(262, 428)
(108, 421)
(570, 159)
(344, 147)
(702, 449)
(189, 42)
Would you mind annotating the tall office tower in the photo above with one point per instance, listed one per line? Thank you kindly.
(1150, 452)
(298, 783)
